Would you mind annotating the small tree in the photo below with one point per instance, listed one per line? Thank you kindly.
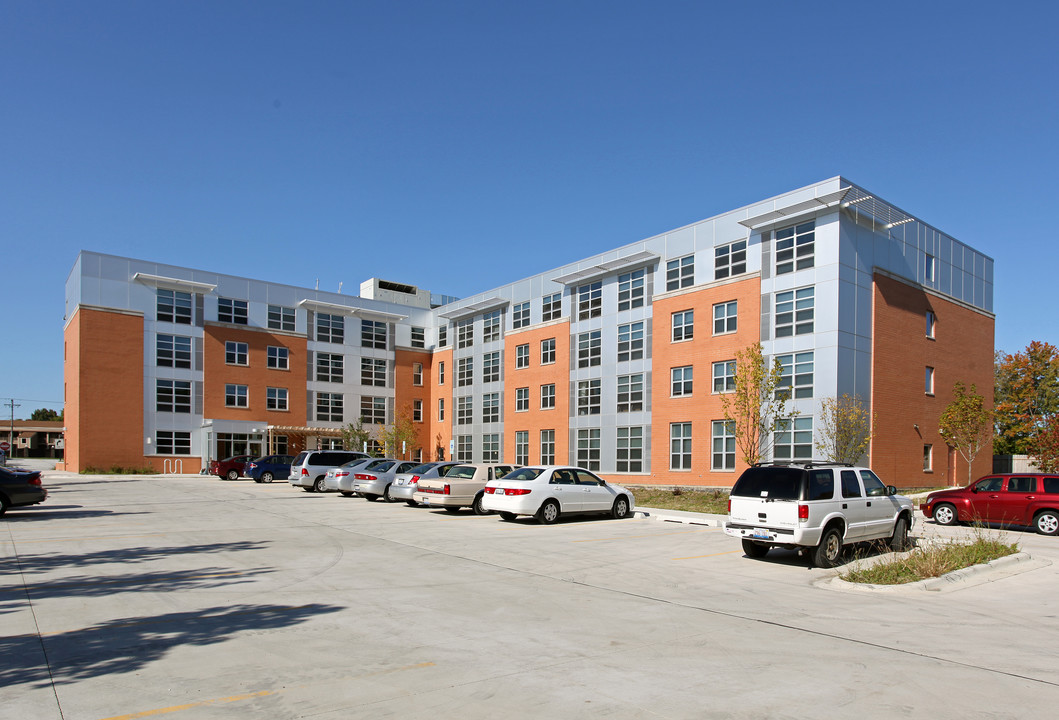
(966, 424)
(400, 432)
(844, 429)
(759, 403)
(355, 436)
(45, 414)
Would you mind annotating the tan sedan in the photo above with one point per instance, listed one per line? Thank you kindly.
(463, 486)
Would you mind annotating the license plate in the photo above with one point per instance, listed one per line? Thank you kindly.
(760, 533)
(425, 501)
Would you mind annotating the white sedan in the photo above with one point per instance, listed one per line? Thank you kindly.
(552, 490)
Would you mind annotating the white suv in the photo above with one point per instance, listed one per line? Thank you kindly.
(815, 505)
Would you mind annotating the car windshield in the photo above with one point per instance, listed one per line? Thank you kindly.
(774, 483)
(461, 471)
(355, 463)
(420, 469)
(524, 474)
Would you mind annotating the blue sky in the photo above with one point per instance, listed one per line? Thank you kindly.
(459, 145)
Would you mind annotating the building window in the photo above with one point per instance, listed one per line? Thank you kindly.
(329, 367)
(932, 321)
(682, 379)
(551, 307)
(588, 394)
(169, 442)
(547, 447)
(683, 325)
(464, 410)
(547, 351)
(928, 385)
(723, 450)
(795, 247)
(928, 268)
(329, 407)
(590, 300)
(330, 328)
(794, 439)
(491, 408)
(521, 399)
(729, 260)
(275, 398)
(280, 318)
(174, 351)
(491, 448)
(630, 449)
(231, 311)
(680, 446)
(419, 337)
(441, 373)
(373, 372)
(417, 411)
(443, 336)
(441, 409)
(464, 372)
(491, 326)
(236, 396)
(174, 306)
(796, 374)
(491, 367)
(465, 334)
(373, 410)
(548, 396)
(520, 315)
(725, 317)
(173, 396)
(680, 273)
(373, 334)
(522, 447)
(521, 356)
(795, 312)
(630, 290)
(463, 448)
(630, 341)
(588, 449)
(236, 353)
(928, 457)
(630, 393)
(589, 348)
(278, 358)
(724, 376)
(417, 373)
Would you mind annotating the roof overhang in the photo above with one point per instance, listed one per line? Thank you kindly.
(363, 313)
(791, 212)
(607, 268)
(475, 308)
(170, 283)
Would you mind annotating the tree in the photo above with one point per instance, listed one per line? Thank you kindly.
(759, 403)
(355, 436)
(1047, 451)
(844, 429)
(402, 431)
(967, 424)
(44, 414)
(1025, 396)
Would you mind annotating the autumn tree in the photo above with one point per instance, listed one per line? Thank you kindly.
(1046, 454)
(843, 429)
(401, 432)
(1026, 395)
(355, 436)
(758, 405)
(967, 424)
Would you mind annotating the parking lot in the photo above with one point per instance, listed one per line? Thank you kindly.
(193, 597)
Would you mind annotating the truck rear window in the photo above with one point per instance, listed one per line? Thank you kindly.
(775, 483)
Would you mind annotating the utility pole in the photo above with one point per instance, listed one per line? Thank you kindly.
(11, 433)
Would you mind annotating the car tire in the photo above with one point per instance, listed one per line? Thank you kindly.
(755, 549)
(386, 494)
(899, 540)
(232, 475)
(411, 503)
(827, 553)
(370, 498)
(266, 477)
(320, 486)
(478, 508)
(508, 517)
(945, 514)
(4, 505)
(548, 513)
(620, 509)
(1046, 522)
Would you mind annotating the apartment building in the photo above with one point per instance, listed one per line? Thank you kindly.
(617, 362)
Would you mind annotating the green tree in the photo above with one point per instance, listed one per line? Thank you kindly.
(44, 414)
(402, 431)
(1026, 395)
(844, 429)
(967, 424)
(355, 436)
(759, 403)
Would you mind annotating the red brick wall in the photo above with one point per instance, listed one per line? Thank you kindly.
(558, 373)
(406, 391)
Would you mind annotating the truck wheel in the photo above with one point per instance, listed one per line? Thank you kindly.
(827, 553)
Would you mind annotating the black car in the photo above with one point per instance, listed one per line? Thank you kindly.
(20, 487)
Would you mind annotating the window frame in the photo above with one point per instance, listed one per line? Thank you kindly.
(684, 385)
(631, 289)
(680, 272)
(233, 311)
(522, 356)
(630, 397)
(631, 445)
(236, 395)
(277, 399)
(686, 328)
(236, 353)
(729, 259)
(726, 317)
(631, 340)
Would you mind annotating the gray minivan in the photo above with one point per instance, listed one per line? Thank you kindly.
(309, 468)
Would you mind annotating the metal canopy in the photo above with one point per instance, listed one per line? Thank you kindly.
(791, 211)
(475, 308)
(607, 268)
(170, 283)
(336, 309)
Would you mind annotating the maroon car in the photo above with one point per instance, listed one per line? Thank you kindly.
(1008, 499)
(230, 468)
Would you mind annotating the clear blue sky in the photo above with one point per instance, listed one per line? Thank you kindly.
(457, 145)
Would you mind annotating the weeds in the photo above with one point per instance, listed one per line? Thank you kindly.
(120, 470)
(690, 500)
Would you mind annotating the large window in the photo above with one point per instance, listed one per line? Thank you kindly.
(588, 395)
(630, 449)
(723, 446)
(276, 398)
(230, 310)
(329, 407)
(630, 341)
(174, 306)
(373, 372)
(236, 396)
(173, 396)
(590, 301)
(173, 351)
(724, 376)
(725, 317)
(329, 367)
(465, 333)
(417, 373)
(630, 393)
(491, 448)
(680, 446)
(588, 448)
(552, 307)
(373, 410)
(683, 325)
(491, 367)
(630, 290)
(547, 351)
(278, 358)
(464, 410)
(172, 442)
(729, 260)
(795, 310)
(521, 399)
(547, 447)
(521, 356)
(464, 372)
(682, 381)
(520, 315)
(373, 334)
(280, 318)
(548, 396)
(419, 337)
(793, 439)
(589, 348)
(463, 448)
(491, 326)
(680, 273)
(797, 374)
(236, 353)
(795, 247)
(330, 328)
(522, 447)
(491, 408)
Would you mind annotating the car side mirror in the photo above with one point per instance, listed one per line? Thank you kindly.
(974, 488)
(891, 490)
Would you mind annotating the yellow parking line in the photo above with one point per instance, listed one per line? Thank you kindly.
(696, 557)
(682, 532)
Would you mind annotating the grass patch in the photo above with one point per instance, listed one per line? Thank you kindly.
(704, 501)
(933, 561)
(120, 470)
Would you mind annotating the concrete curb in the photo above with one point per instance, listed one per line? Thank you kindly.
(957, 580)
(680, 516)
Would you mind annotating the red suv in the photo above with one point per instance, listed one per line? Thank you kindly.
(230, 468)
(1013, 499)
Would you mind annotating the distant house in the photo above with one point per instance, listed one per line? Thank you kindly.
(34, 438)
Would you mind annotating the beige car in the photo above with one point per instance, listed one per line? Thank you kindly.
(463, 486)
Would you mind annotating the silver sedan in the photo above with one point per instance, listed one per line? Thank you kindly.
(341, 477)
(373, 482)
(405, 484)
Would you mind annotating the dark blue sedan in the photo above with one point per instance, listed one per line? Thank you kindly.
(266, 469)
(20, 487)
